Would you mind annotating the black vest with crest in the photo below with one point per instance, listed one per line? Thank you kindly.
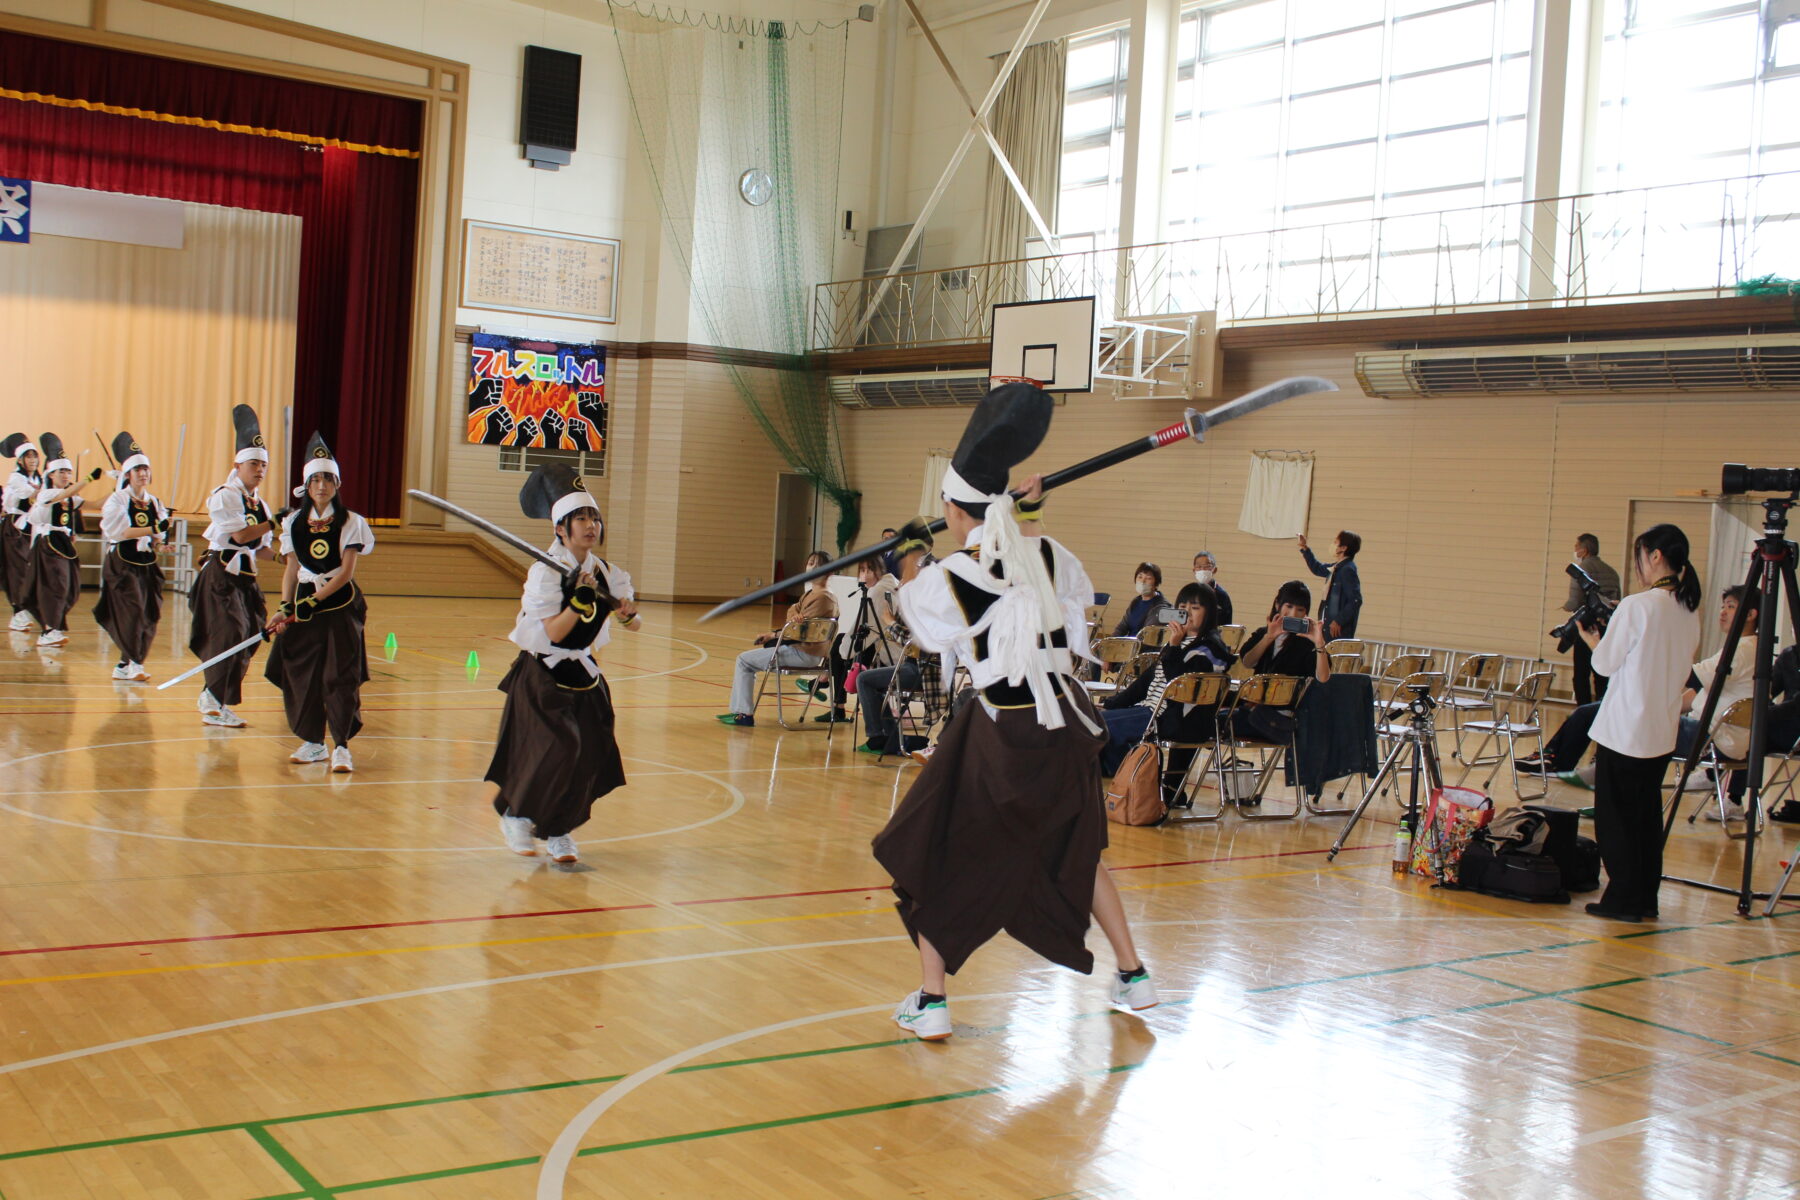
(975, 601)
(319, 545)
(143, 521)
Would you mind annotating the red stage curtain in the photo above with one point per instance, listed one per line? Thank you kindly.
(358, 211)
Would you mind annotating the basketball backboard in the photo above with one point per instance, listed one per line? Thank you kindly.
(1050, 341)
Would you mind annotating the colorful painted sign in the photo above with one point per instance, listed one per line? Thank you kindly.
(550, 395)
(15, 210)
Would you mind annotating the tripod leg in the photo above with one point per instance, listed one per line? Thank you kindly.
(1375, 785)
(1777, 562)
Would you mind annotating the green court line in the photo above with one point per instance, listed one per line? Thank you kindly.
(1738, 962)
(1556, 995)
(729, 1130)
(1642, 1021)
(310, 1188)
(1759, 1053)
(1305, 983)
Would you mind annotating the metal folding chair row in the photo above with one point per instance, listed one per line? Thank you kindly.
(1518, 715)
(1736, 716)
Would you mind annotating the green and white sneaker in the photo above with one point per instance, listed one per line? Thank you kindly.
(929, 1022)
(1135, 994)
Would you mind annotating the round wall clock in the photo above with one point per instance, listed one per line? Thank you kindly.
(756, 186)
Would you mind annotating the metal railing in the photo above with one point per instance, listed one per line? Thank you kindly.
(1688, 240)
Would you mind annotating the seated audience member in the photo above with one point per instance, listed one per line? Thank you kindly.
(1272, 650)
(1342, 605)
(1784, 721)
(1193, 646)
(1206, 570)
(816, 602)
(868, 644)
(890, 562)
(1144, 603)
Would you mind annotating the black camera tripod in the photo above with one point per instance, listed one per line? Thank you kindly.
(1420, 735)
(1771, 566)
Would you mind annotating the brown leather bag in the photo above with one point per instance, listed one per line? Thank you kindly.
(1135, 797)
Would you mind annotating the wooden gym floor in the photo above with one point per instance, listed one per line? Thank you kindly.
(224, 977)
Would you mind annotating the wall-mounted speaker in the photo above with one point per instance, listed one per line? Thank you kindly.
(549, 106)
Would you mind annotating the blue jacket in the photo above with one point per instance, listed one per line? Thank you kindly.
(1343, 595)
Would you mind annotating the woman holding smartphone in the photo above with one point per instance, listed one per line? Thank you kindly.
(1292, 643)
(1646, 654)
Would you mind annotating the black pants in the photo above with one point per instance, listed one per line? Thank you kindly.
(1589, 684)
(1628, 806)
(1570, 741)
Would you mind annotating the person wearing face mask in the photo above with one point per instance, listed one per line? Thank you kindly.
(226, 602)
(135, 526)
(1646, 653)
(1148, 598)
(1193, 646)
(319, 661)
(1206, 571)
(817, 601)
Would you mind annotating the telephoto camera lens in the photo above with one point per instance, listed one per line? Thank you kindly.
(1735, 479)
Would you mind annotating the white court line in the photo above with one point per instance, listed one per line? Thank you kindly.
(555, 1167)
(441, 989)
(738, 801)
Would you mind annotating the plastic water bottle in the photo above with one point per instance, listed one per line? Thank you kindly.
(1402, 849)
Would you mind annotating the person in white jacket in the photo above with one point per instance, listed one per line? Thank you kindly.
(134, 525)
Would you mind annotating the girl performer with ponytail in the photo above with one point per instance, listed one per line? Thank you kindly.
(1646, 654)
(134, 525)
(556, 753)
(56, 569)
(1003, 828)
(319, 661)
(22, 487)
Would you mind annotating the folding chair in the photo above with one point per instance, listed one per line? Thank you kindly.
(1737, 716)
(1473, 683)
(1786, 772)
(1271, 691)
(1153, 636)
(1346, 656)
(928, 697)
(800, 633)
(1203, 688)
(1114, 653)
(1393, 673)
(1232, 636)
(1390, 723)
(1145, 661)
(1520, 716)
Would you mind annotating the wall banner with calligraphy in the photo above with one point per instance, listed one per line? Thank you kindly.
(549, 395)
(536, 271)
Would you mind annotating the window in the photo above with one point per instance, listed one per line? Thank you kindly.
(1302, 112)
(1093, 151)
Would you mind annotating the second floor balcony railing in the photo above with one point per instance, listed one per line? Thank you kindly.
(1679, 240)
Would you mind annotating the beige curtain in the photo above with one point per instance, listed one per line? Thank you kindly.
(107, 336)
(1279, 494)
(931, 496)
(1027, 120)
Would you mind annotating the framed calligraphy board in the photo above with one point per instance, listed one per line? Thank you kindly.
(509, 269)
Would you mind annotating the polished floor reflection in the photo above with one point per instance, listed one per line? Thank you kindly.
(227, 977)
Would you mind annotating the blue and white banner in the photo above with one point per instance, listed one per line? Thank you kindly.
(15, 210)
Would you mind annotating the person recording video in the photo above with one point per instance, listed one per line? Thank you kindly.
(1588, 686)
(1193, 646)
(1342, 605)
(1292, 643)
(1647, 653)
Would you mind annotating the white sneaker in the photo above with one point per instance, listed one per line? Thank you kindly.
(228, 719)
(123, 672)
(562, 849)
(1699, 781)
(308, 752)
(340, 761)
(52, 637)
(927, 1022)
(517, 832)
(136, 672)
(1733, 812)
(22, 620)
(1135, 996)
(208, 706)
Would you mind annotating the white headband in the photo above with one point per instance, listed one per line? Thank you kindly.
(251, 454)
(58, 464)
(125, 468)
(27, 448)
(317, 466)
(963, 492)
(570, 503)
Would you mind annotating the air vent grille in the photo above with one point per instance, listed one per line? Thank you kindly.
(937, 389)
(1756, 363)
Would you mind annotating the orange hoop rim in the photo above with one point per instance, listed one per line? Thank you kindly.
(995, 381)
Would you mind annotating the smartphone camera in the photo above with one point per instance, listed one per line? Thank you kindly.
(1296, 624)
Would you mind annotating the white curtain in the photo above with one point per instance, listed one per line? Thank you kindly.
(1027, 119)
(110, 336)
(1736, 524)
(1279, 495)
(931, 497)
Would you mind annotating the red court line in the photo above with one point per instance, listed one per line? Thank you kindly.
(572, 912)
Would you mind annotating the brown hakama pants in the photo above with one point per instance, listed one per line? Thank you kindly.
(320, 665)
(57, 583)
(227, 609)
(1002, 830)
(130, 605)
(555, 754)
(20, 577)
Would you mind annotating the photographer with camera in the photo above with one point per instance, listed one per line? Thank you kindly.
(1194, 645)
(1588, 686)
(1292, 643)
(1342, 605)
(1646, 652)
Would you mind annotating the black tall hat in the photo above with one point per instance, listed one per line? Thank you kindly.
(1003, 431)
(128, 454)
(318, 461)
(52, 448)
(250, 444)
(553, 492)
(16, 444)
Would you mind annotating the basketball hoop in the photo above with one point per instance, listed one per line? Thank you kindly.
(998, 381)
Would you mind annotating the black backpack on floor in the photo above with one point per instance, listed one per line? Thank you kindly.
(1577, 857)
(1510, 874)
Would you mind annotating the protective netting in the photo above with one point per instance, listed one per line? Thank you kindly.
(720, 103)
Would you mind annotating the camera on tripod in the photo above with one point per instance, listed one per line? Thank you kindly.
(1735, 479)
(1594, 611)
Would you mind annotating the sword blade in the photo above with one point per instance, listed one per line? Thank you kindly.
(214, 661)
(488, 527)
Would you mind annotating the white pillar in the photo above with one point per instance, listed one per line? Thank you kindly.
(1149, 113)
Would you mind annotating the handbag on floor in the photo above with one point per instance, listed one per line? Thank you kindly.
(1453, 817)
(1135, 796)
(1511, 875)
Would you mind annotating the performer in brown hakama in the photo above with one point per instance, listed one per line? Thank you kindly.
(134, 526)
(1004, 826)
(55, 520)
(319, 661)
(226, 603)
(556, 753)
(22, 487)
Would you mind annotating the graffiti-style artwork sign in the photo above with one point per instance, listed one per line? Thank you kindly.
(548, 395)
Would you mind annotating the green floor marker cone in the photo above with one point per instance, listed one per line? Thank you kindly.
(391, 646)
(473, 666)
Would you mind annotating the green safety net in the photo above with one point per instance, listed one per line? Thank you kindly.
(729, 107)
